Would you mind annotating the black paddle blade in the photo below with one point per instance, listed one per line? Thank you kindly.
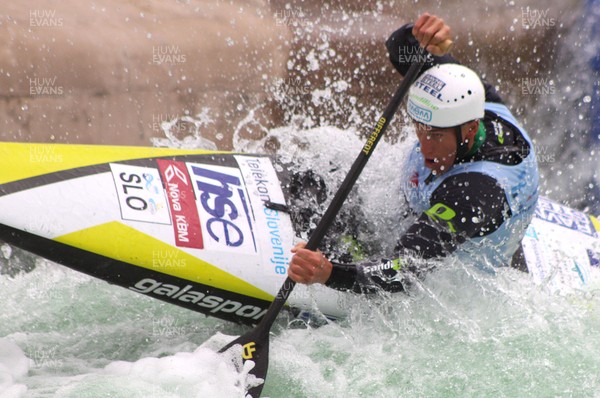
(255, 347)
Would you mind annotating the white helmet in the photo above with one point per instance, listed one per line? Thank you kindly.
(446, 95)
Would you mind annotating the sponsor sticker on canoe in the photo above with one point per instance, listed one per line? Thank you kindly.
(141, 194)
(276, 233)
(565, 217)
(182, 203)
(226, 217)
(594, 258)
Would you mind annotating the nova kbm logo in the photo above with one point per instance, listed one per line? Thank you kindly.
(227, 221)
(182, 203)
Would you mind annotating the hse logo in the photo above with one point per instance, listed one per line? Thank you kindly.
(249, 349)
(421, 114)
(182, 203)
(140, 193)
(227, 221)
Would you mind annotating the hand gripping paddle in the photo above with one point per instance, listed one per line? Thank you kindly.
(255, 343)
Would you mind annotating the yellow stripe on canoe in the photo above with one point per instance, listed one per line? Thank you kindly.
(25, 160)
(596, 223)
(123, 243)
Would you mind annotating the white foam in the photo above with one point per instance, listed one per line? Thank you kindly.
(202, 373)
(14, 365)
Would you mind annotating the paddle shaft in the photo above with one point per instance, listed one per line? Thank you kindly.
(255, 343)
(347, 185)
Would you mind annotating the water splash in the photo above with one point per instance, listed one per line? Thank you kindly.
(186, 132)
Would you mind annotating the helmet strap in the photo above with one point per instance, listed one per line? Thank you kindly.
(461, 145)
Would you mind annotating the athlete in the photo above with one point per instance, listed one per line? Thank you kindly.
(471, 180)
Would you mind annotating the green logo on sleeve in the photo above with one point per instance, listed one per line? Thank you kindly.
(398, 263)
(439, 212)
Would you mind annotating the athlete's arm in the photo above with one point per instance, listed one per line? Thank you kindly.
(465, 206)
(403, 47)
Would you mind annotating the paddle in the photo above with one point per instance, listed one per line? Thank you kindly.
(255, 343)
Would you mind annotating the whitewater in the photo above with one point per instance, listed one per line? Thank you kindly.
(459, 333)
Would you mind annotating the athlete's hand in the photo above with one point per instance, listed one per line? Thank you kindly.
(309, 266)
(433, 34)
